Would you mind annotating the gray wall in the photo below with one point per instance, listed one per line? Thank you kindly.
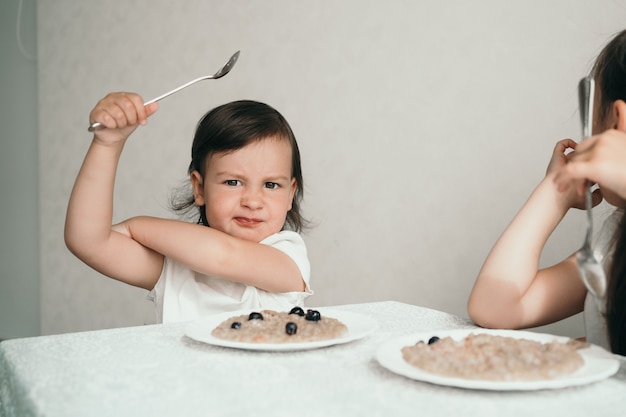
(423, 127)
(19, 219)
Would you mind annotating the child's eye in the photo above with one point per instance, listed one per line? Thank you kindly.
(271, 185)
(232, 183)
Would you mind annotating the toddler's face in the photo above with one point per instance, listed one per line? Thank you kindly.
(248, 192)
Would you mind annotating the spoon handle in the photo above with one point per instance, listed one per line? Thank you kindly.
(225, 69)
(98, 126)
(177, 89)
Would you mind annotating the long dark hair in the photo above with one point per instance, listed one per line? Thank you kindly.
(230, 127)
(610, 75)
(616, 294)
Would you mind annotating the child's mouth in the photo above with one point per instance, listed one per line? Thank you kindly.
(247, 222)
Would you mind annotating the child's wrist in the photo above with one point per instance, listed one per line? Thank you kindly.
(561, 199)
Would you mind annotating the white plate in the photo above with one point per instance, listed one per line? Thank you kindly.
(358, 327)
(598, 363)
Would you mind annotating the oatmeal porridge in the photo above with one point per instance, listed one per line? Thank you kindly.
(268, 326)
(497, 358)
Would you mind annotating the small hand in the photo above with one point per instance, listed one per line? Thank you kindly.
(560, 155)
(120, 113)
(571, 192)
(599, 159)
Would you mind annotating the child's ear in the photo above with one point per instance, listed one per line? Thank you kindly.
(619, 114)
(197, 184)
(292, 192)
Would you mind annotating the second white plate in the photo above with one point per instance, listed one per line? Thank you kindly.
(599, 364)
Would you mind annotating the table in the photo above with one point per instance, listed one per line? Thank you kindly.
(156, 370)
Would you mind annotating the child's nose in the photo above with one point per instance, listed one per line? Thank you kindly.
(252, 198)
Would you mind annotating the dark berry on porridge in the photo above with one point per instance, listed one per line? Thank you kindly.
(297, 310)
(255, 316)
(291, 328)
(432, 340)
(313, 315)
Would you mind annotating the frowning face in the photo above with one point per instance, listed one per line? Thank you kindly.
(248, 192)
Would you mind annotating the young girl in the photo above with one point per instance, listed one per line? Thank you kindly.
(246, 185)
(510, 291)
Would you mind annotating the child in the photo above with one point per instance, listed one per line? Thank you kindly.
(510, 291)
(246, 185)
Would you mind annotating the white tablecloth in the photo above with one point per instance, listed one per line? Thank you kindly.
(157, 371)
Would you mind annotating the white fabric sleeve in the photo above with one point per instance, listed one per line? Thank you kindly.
(292, 244)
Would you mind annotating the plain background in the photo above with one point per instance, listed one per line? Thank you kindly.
(423, 127)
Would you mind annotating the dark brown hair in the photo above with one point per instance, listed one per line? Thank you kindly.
(610, 74)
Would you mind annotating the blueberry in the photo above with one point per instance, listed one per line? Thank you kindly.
(255, 316)
(298, 311)
(291, 328)
(432, 340)
(313, 315)
(235, 325)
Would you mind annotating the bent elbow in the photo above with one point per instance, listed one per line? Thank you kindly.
(488, 315)
(75, 243)
(70, 241)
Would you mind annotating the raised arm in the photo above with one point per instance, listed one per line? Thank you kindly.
(88, 225)
(213, 252)
(511, 291)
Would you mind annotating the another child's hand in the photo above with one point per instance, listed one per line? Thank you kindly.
(561, 158)
(120, 113)
(600, 159)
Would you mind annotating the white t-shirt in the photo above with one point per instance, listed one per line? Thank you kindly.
(182, 294)
(603, 247)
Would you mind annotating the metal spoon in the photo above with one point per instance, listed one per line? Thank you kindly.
(591, 271)
(219, 74)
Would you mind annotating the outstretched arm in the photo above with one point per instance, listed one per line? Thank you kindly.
(212, 252)
(88, 230)
(511, 291)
